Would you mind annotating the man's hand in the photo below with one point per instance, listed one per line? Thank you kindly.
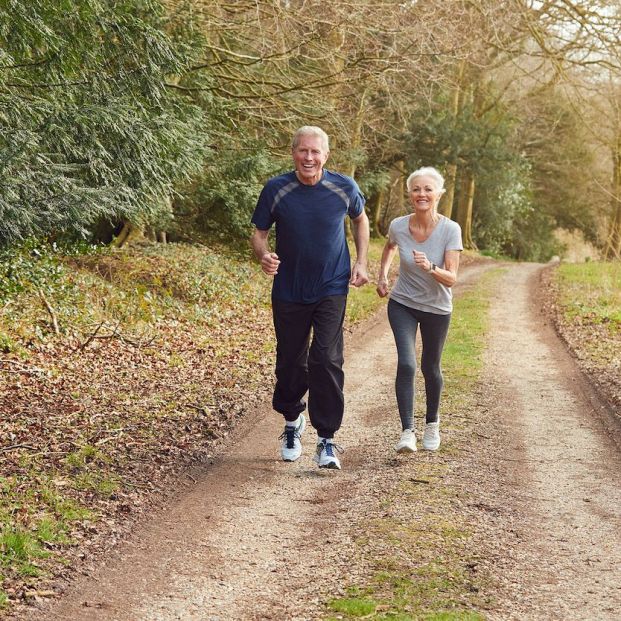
(269, 260)
(359, 275)
(270, 263)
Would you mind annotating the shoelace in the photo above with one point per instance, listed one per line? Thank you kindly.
(291, 433)
(330, 447)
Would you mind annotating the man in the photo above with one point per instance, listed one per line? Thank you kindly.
(312, 274)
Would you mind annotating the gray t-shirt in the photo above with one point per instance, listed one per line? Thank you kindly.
(414, 287)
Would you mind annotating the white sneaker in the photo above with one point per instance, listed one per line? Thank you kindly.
(431, 437)
(407, 442)
(291, 447)
(325, 455)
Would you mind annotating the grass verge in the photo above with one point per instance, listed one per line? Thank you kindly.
(591, 292)
(416, 553)
(587, 315)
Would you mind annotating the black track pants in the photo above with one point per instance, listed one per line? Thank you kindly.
(317, 369)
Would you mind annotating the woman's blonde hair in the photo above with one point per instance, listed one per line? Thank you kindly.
(426, 171)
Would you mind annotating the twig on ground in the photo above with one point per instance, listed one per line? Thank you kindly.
(22, 368)
(12, 447)
(89, 339)
(50, 310)
(115, 334)
(200, 408)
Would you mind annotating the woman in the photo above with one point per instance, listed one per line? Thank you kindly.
(429, 245)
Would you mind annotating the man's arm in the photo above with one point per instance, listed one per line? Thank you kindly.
(360, 226)
(269, 260)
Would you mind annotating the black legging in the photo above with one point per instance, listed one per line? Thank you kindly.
(404, 322)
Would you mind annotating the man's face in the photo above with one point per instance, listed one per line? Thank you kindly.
(309, 157)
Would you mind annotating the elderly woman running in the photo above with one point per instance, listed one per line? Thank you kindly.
(429, 245)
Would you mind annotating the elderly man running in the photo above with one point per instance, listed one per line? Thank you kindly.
(312, 273)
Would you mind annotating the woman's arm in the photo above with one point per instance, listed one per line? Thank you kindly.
(448, 275)
(388, 254)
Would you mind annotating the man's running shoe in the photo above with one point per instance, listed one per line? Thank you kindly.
(431, 437)
(291, 447)
(325, 456)
(407, 442)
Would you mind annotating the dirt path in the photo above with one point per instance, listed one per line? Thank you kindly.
(255, 538)
(549, 469)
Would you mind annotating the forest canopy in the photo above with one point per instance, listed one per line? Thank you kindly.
(164, 118)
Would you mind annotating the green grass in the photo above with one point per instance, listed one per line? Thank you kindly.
(354, 606)
(364, 301)
(591, 292)
(87, 454)
(422, 571)
(34, 520)
(20, 548)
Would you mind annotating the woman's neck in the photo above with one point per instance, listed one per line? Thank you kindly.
(424, 219)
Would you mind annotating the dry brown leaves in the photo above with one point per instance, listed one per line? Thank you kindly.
(595, 347)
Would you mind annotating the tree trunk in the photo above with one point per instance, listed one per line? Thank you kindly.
(130, 232)
(613, 243)
(375, 208)
(465, 209)
(398, 190)
(356, 136)
(162, 237)
(446, 202)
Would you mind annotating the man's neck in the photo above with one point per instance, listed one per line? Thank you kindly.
(314, 180)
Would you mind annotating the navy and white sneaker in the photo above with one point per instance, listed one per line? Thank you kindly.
(291, 447)
(325, 455)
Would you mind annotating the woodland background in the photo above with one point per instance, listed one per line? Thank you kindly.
(162, 119)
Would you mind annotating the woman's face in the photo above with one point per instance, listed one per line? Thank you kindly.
(424, 194)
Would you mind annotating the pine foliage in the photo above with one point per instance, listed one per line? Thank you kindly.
(89, 128)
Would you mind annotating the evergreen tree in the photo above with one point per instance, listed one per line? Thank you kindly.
(89, 128)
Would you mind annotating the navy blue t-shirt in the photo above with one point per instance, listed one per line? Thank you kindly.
(310, 234)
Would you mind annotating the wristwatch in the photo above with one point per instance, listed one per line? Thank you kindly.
(432, 268)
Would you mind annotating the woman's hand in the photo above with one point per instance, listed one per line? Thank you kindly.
(382, 287)
(421, 260)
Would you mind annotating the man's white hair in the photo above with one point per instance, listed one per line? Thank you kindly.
(311, 130)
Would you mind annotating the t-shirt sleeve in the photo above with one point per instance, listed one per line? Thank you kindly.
(262, 217)
(391, 233)
(356, 202)
(454, 237)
